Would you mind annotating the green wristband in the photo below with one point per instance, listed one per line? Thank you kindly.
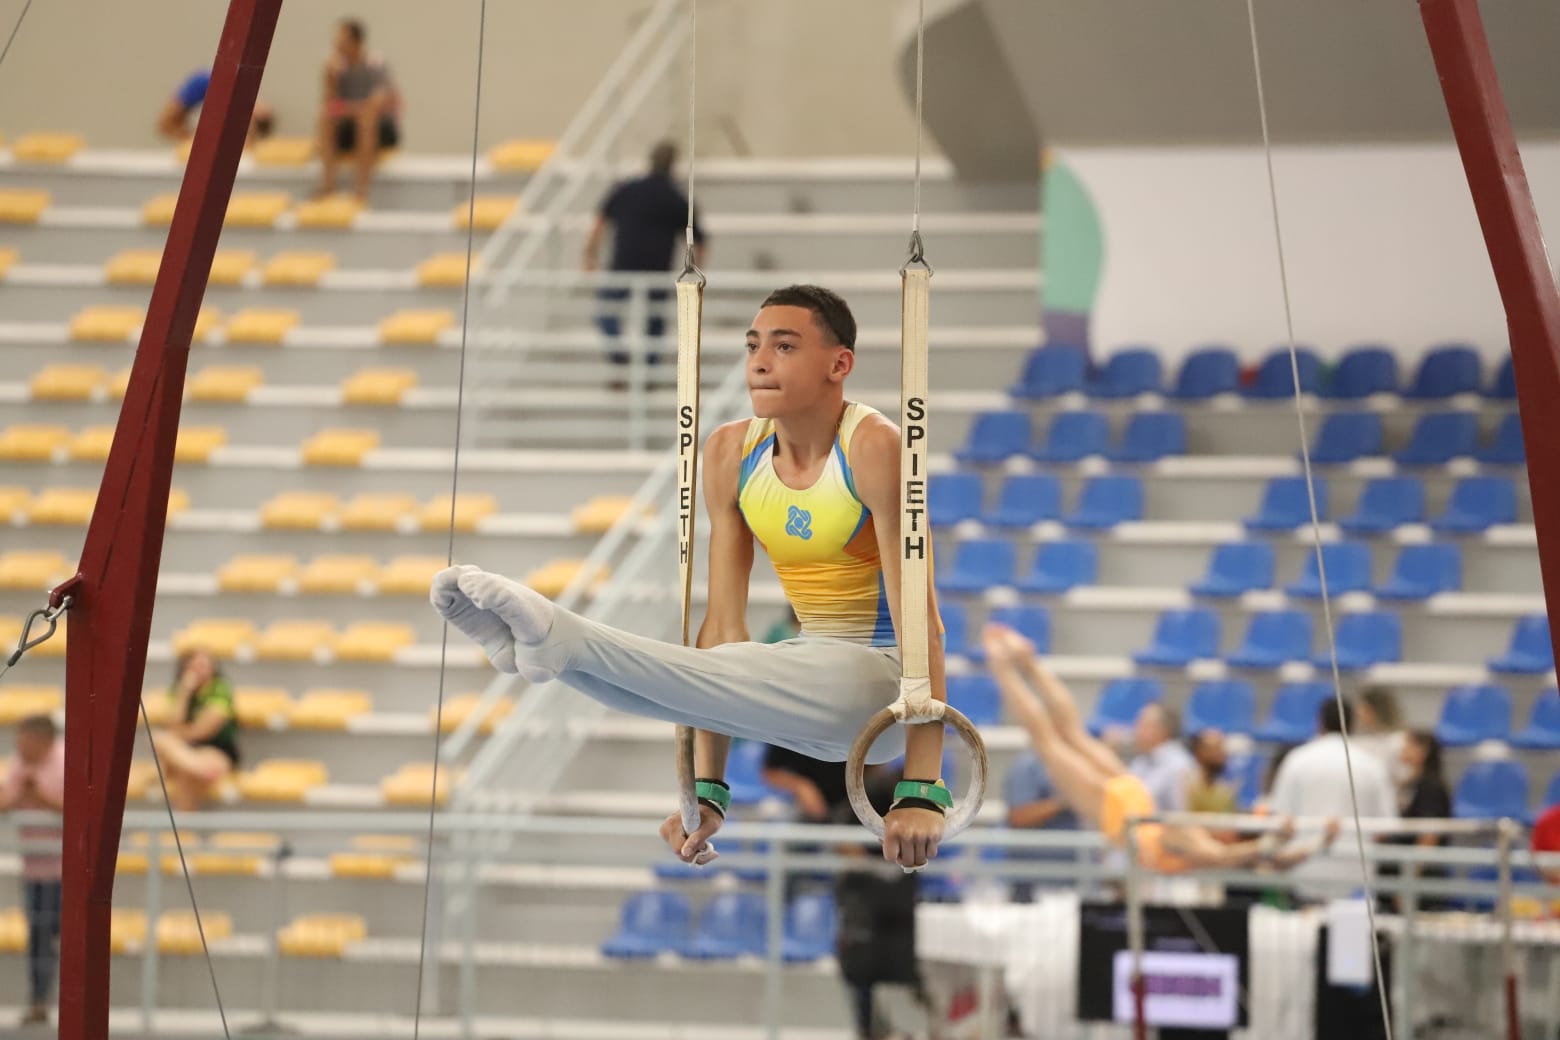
(715, 791)
(935, 793)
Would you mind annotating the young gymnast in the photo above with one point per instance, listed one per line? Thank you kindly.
(1099, 787)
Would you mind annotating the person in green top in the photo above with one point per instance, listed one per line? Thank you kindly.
(199, 745)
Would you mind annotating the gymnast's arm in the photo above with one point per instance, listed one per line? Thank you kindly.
(1200, 848)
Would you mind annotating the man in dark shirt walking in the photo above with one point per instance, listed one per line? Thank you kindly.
(647, 216)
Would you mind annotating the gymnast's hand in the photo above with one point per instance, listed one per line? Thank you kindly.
(911, 835)
(692, 848)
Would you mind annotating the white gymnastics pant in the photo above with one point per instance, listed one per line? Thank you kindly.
(810, 694)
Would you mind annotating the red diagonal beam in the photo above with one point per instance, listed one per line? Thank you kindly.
(112, 594)
(1516, 246)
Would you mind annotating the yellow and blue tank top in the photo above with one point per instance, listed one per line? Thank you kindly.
(820, 540)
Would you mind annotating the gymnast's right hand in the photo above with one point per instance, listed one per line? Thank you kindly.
(692, 848)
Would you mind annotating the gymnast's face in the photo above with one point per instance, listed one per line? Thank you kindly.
(793, 364)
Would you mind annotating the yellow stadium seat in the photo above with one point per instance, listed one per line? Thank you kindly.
(13, 931)
(458, 709)
(445, 270)
(353, 575)
(62, 506)
(409, 575)
(119, 384)
(283, 151)
(46, 147)
(413, 783)
(230, 266)
(281, 780)
(126, 930)
(378, 512)
(7, 259)
(374, 641)
(488, 213)
(13, 503)
(256, 573)
(158, 210)
(196, 443)
(54, 646)
(256, 209)
(67, 382)
(22, 205)
(321, 935)
(329, 709)
(233, 854)
(299, 510)
(378, 386)
(224, 383)
(18, 702)
(29, 442)
(470, 510)
(92, 444)
(367, 864)
(178, 934)
(33, 570)
(599, 514)
(224, 637)
(552, 578)
(261, 707)
(10, 629)
(415, 326)
(339, 447)
(333, 211)
(521, 156)
(261, 326)
(297, 268)
(294, 640)
(107, 324)
(134, 267)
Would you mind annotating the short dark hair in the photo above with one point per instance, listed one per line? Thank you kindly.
(355, 29)
(663, 157)
(830, 311)
(1335, 715)
(38, 726)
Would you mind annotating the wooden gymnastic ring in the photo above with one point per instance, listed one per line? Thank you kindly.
(966, 809)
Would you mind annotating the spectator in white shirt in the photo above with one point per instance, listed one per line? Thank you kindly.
(1162, 762)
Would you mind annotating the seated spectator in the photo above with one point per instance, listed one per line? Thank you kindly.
(1162, 761)
(174, 121)
(1206, 789)
(1429, 798)
(360, 113)
(1034, 804)
(199, 748)
(35, 782)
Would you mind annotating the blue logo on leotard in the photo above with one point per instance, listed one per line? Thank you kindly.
(798, 523)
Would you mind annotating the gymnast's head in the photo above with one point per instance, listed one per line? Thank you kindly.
(800, 349)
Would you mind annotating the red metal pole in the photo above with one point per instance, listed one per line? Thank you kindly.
(112, 594)
(1515, 242)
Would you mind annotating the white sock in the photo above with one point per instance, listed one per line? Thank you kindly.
(527, 612)
(483, 627)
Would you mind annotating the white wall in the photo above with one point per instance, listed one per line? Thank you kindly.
(1381, 243)
(800, 78)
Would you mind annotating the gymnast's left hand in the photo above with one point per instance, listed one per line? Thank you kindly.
(911, 836)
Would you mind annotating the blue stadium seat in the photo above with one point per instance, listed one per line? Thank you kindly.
(956, 627)
(733, 924)
(1440, 437)
(1026, 499)
(1422, 571)
(1362, 372)
(1108, 501)
(1504, 386)
(996, 436)
(1245, 773)
(1050, 372)
(1348, 570)
(1128, 373)
(1028, 620)
(977, 697)
(954, 497)
(1385, 503)
(1207, 373)
(650, 923)
(1473, 713)
(1286, 505)
(1275, 376)
(1489, 790)
(1073, 436)
(1448, 370)
(1542, 733)
(1237, 568)
(1229, 705)
(979, 564)
(1345, 437)
(1274, 637)
(1151, 436)
(1506, 447)
(1293, 716)
(745, 774)
(1182, 636)
(810, 927)
(1061, 565)
(1121, 700)
(1477, 504)
(1368, 638)
(1530, 652)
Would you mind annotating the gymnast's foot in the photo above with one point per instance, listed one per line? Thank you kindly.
(527, 613)
(483, 627)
